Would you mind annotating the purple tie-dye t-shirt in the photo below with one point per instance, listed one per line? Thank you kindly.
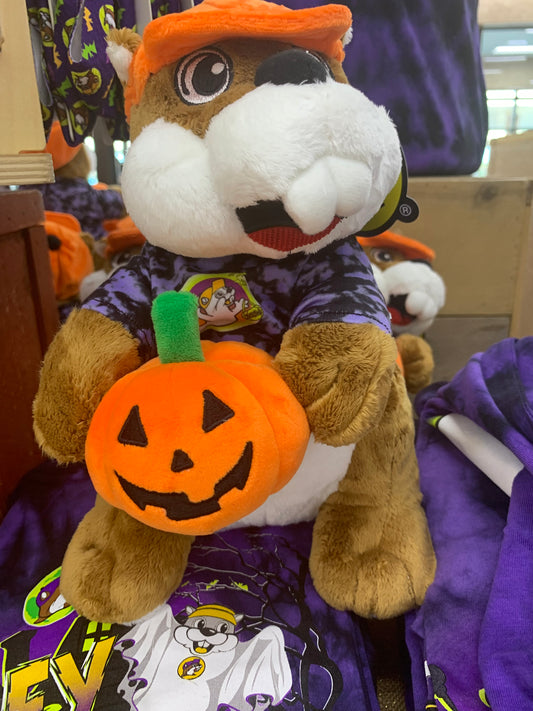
(244, 297)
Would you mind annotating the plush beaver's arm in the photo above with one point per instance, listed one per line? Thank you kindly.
(88, 354)
(341, 373)
(417, 359)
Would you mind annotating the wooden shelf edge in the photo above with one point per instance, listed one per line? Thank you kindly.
(26, 169)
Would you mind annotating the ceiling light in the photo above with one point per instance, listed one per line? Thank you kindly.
(501, 94)
(501, 103)
(513, 49)
(503, 58)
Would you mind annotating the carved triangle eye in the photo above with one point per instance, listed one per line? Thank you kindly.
(132, 431)
(215, 411)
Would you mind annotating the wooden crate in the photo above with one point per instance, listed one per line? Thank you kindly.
(21, 126)
(512, 156)
(482, 232)
(505, 12)
(28, 322)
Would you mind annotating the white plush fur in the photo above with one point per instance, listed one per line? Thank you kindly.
(168, 188)
(120, 58)
(426, 293)
(324, 149)
(91, 282)
(319, 474)
(348, 36)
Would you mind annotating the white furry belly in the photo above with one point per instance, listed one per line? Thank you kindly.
(318, 476)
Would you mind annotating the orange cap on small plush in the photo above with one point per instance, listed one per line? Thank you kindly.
(61, 152)
(412, 248)
(168, 38)
(122, 234)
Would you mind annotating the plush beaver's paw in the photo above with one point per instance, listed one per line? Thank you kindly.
(341, 373)
(117, 569)
(357, 566)
(88, 354)
(417, 359)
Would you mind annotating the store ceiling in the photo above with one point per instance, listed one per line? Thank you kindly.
(507, 57)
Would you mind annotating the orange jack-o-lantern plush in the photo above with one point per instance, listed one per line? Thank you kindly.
(200, 436)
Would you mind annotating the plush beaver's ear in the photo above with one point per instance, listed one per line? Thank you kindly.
(121, 46)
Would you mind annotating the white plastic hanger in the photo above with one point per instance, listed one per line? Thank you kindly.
(483, 449)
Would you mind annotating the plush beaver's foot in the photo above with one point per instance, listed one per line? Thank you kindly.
(116, 569)
(371, 550)
(356, 565)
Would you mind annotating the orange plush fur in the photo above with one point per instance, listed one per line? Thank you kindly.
(72, 261)
(266, 420)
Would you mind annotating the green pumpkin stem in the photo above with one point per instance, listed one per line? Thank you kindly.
(177, 332)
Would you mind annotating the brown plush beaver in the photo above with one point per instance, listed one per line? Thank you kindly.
(253, 165)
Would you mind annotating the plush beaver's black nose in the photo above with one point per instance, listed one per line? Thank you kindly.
(292, 66)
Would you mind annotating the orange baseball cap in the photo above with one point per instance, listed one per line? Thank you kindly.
(168, 38)
(61, 152)
(411, 248)
(123, 234)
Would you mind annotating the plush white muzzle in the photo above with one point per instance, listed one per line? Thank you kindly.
(324, 150)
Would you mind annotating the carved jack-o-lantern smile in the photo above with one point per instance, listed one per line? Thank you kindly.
(193, 446)
(178, 506)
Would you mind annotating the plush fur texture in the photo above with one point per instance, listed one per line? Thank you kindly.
(117, 569)
(319, 29)
(417, 359)
(121, 47)
(371, 547)
(414, 293)
(78, 167)
(159, 98)
(341, 373)
(321, 148)
(424, 289)
(86, 357)
(403, 269)
(319, 475)
(320, 163)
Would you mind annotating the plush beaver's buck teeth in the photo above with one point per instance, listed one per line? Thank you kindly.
(398, 311)
(269, 224)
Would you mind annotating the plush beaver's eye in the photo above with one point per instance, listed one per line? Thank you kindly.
(383, 256)
(203, 75)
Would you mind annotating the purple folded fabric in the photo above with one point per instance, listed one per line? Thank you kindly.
(475, 628)
(505, 646)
